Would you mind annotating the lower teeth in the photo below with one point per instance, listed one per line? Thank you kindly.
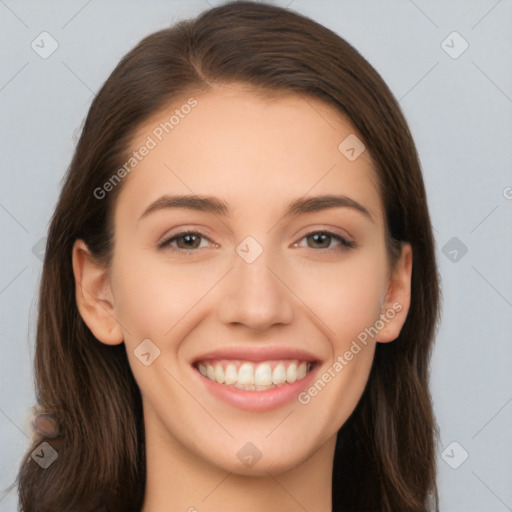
(253, 387)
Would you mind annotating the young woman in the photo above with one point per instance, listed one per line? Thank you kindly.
(239, 294)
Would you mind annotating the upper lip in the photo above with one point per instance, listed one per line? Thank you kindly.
(258, 354)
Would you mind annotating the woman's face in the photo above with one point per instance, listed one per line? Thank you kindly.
(240, 285)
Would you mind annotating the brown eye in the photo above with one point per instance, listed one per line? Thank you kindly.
(322, 240)
(188, 241)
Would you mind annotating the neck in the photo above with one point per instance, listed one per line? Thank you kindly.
(179, 479)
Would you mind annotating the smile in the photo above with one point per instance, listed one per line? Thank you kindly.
(250, 376)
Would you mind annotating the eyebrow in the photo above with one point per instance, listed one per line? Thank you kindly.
(217, 206)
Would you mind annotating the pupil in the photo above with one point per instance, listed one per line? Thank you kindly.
(319, 235)
(189, 238)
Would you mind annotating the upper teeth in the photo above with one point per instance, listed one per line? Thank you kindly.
(247, 375)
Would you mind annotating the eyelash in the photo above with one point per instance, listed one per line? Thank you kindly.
(345, 244)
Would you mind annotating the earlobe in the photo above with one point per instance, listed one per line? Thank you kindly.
(398, 297)
(93, 296)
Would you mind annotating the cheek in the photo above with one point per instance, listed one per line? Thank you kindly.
(346, 296)
(156, 300)
(151, 296)
(349, 303)
(160, 299)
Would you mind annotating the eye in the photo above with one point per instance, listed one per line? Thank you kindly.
(186, 241)
(189, 241)
(325, 237)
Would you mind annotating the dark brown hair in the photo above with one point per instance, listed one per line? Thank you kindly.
(385, 453)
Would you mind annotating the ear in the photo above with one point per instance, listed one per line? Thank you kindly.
(398, 297)
(94, 297)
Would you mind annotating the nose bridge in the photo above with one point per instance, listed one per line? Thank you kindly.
(255, 296)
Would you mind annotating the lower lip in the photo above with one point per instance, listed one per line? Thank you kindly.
(258, 400)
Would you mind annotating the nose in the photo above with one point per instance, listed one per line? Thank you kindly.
(256, 294)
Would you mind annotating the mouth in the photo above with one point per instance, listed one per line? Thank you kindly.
(256, 379)
(254, 376)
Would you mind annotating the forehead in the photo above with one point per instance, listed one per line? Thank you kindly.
(251, 148)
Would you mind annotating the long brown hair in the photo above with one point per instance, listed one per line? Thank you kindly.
(385, 452)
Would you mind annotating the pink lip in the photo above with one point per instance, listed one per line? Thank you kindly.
(256, 354)
(258, 401)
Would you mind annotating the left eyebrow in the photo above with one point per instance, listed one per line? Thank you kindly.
(324, 202)
(217, 206)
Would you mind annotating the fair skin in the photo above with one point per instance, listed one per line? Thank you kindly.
(257, 154)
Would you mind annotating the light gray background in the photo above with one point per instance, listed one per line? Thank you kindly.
(459, 110)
